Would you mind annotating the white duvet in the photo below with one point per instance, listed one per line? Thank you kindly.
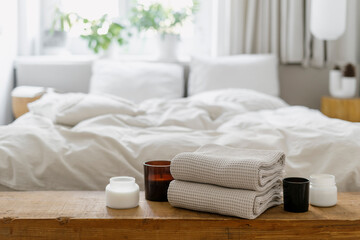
(79, 141)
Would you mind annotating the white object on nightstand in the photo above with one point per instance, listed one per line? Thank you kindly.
(23, 95)
(28, 91)
(341, 87)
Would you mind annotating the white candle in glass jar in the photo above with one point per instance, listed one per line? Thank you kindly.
(122, 193)
(323, 190)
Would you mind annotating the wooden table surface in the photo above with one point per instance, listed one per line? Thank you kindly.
(83, 215)
(343, 108)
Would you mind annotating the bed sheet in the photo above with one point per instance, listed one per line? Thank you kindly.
(78, 141)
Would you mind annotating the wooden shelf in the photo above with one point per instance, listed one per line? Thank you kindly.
(83, 215)
(19, 105)
(346, 109)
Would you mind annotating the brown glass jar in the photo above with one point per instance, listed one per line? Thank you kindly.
(157, 179)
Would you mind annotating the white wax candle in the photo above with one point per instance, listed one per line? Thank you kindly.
(122, 193)
(323, 191)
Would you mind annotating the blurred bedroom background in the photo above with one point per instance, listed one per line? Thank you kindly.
(53, 43)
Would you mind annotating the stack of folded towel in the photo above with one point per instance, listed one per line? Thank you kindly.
(229, 181)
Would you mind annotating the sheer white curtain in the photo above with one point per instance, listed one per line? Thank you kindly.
(29, 27)
(280, 27)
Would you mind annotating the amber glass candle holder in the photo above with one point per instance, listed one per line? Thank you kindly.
(157, 179)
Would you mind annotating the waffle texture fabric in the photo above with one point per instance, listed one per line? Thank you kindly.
(226, 201)
(230, 167)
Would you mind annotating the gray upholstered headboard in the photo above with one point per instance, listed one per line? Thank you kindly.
(68, 75)
(64, 74)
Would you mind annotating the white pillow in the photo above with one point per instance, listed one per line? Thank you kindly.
(256, 72)
(137, 81)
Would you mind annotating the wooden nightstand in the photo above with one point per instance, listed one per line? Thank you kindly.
(343, 108)
(23, 95)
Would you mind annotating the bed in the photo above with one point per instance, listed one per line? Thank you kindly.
(77, 141)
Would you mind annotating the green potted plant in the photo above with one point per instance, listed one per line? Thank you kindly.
(100, 34)
(55, 38)
(343, 86)
(167, 22)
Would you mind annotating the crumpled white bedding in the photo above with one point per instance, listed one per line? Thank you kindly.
(79, 141)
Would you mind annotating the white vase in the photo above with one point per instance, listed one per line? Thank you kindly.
(349, 87)
(110, 53)
(168, 47)
(341, 87)
(334, 82)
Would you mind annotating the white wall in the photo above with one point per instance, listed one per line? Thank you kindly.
(8, 49)
(303, 86)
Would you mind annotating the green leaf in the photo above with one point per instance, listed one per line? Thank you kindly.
(156, 17)
(95, 41)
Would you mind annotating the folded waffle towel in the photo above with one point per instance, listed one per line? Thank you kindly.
(226, 201)
(230, 167)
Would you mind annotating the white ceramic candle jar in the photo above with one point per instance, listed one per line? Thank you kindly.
(122, 193)
(323, 190)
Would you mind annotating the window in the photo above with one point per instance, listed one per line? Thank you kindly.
(193, 34)
(91, 9)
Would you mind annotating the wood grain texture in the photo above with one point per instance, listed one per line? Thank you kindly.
(83, 215)
(19, 105)
(345, 109)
